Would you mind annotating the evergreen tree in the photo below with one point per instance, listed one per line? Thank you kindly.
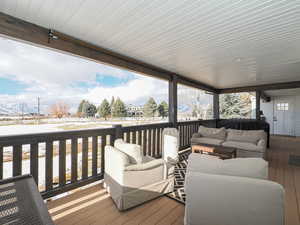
(85, 106)
(79, 110)
(150, 108)
(236, 105)
(104, 109)
(163, 109)
(88, 109)
(119, 109)
(112, 102)
(91, 110)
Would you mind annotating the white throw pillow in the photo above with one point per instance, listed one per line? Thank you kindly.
(216, 133)
(133, 151)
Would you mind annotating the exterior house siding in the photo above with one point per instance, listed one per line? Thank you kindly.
(268, 110)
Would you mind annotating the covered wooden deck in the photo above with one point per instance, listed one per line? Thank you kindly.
(94, 206)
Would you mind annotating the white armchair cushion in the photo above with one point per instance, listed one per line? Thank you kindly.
(145, 166)
(242, 167)
(115, 155)
(133, 151)
(115, 163)
(170, 145)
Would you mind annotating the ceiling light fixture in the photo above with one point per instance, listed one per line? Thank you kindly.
(51, 35)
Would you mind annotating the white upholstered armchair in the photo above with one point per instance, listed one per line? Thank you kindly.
(233, 192)
(132, 178)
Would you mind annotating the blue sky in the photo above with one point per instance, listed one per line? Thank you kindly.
(111, 81)
(105, 80)
(28, 72)
(11, 87)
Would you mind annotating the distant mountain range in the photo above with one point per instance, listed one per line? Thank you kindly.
(15, 109)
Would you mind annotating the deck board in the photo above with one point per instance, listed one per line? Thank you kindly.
(93, 206)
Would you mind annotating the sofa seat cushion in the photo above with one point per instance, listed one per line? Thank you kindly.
(249, 136)
(215, 133)
(241, 167)
(243, 145)
(206, 140)
(133, 151)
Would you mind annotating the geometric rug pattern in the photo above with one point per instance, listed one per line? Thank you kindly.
(180, 169)
(294, 160)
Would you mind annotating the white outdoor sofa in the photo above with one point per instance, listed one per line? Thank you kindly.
(249, 143)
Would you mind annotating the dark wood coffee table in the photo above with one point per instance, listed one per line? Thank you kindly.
(219, 151)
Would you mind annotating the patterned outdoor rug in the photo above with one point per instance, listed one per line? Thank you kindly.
(294, 160)
(179, 194)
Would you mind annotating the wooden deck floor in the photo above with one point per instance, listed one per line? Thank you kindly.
(288, 176)
(93, 206)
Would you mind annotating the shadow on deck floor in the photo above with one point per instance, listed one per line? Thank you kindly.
(93, 206)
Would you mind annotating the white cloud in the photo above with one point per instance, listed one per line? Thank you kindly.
(136, 91)
(48, 68)
(50, 76)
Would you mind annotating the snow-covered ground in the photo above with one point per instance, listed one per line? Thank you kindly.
(7, 167)
(41, 128)
(52, 125)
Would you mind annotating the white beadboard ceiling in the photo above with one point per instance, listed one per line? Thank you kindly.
(223, 43)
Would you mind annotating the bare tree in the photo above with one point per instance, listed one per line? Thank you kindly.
(59, 109)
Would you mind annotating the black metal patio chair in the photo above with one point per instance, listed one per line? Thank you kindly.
(21, 202)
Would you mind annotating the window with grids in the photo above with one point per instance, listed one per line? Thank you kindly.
(283, 106)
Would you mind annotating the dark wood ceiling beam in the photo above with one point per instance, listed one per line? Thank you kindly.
(19, 29)
(193, 83)
(263, 87)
